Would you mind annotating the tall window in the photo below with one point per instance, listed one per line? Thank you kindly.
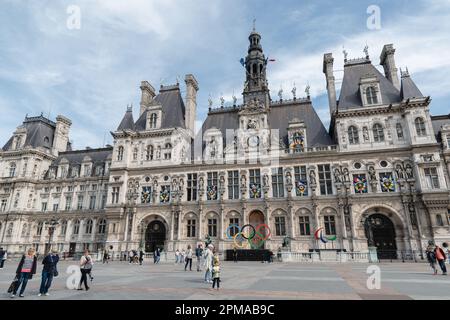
(44, 206)
(168, 151)
(448, 141)
(233, 184)
(325, 182)
(102, 226)
(80, 202)
(371, 95)
(212, 227)
(439, 220)
(120, 154)
(3, 205)
(280, 226)
(304, 226)
(255, 183)
(420, 127)
(153, 118)
(92, 201)
(432, 178)
(76, 227)
(115, 195)
(55, 207)
(88, 228)
(63, 228)
(234, 222)
(149, 153)
(192, 187)
(378, 132)
(353, 137)
(330, 225)
(399, 130)
(191, 228)
(301, 182)
(212, 186)
(40, 226)
(103, 201)
(277, 183)
(12, 169)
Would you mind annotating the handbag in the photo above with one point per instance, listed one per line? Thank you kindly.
(55, 273)
(13, 285)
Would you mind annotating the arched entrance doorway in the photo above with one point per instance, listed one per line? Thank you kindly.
(155, 236)
(256, 219)
(380, 233)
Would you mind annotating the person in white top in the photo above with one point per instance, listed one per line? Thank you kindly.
(188, 258)
(85, 268)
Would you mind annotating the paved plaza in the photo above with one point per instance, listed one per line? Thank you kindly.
(243, 280)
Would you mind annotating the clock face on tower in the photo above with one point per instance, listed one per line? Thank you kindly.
(253, 141)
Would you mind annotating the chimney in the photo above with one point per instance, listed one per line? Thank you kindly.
(61, 137)
(191, 101)
(148, 93)
(331, 87)
(387, 60)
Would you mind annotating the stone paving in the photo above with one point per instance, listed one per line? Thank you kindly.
(243, 280)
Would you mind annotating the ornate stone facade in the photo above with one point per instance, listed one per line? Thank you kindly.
(384, 159)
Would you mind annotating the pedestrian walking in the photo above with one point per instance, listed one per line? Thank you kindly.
(216, 272)
(48, 272)
(446, 251)
(189, 255)
(3, 256)
(208, 258)
(199, 254)
(441, 257)
(25, 270)
(157, 255)
(105, 256)
(183, 256)
(130, 256)
(141, 257)
(235, 253)
(177, 256)
(85, 268)
(431, 255)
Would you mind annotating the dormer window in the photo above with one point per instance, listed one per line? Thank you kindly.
(18, 142)
(153, 119)
(420, 127)
(46, 140)
(371, 95)
(378, 132)
(12, 169)
(353, 137)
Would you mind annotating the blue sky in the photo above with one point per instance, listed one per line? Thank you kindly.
(91, 74)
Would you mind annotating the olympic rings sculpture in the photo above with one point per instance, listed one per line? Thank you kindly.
(249, 234)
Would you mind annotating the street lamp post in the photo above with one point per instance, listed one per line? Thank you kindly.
(51, 230)
(142, 245)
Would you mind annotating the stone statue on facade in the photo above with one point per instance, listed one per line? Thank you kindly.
(372, 174)
(399, 171)
(312, 176)
(409, 172)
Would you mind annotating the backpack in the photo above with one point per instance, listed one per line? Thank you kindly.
(431, 256)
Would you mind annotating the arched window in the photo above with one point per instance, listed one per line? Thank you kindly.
(149, 153)
(12, 169)
(254, 68)
(63, 228)
(353, 137)
(76, 227)
(371, 95)
(420, 127)
(378, 132)
(120, 154)
(18, 142)
(439, 220)
(102, 226)
(168, 146)
(88, 228)
(153, 118)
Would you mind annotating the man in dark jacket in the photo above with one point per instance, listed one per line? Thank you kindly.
(48, 272)
(2, 257)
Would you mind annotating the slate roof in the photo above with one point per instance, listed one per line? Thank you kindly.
(76, 157)
(127, 121)
(408, 88)
(438, 122)
(280, 115)
(173, 109)
(38, 128)
(350, 97)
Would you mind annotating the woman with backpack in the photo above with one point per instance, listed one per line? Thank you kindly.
(25, 270)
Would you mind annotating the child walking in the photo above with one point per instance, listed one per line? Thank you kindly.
(216, 272)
